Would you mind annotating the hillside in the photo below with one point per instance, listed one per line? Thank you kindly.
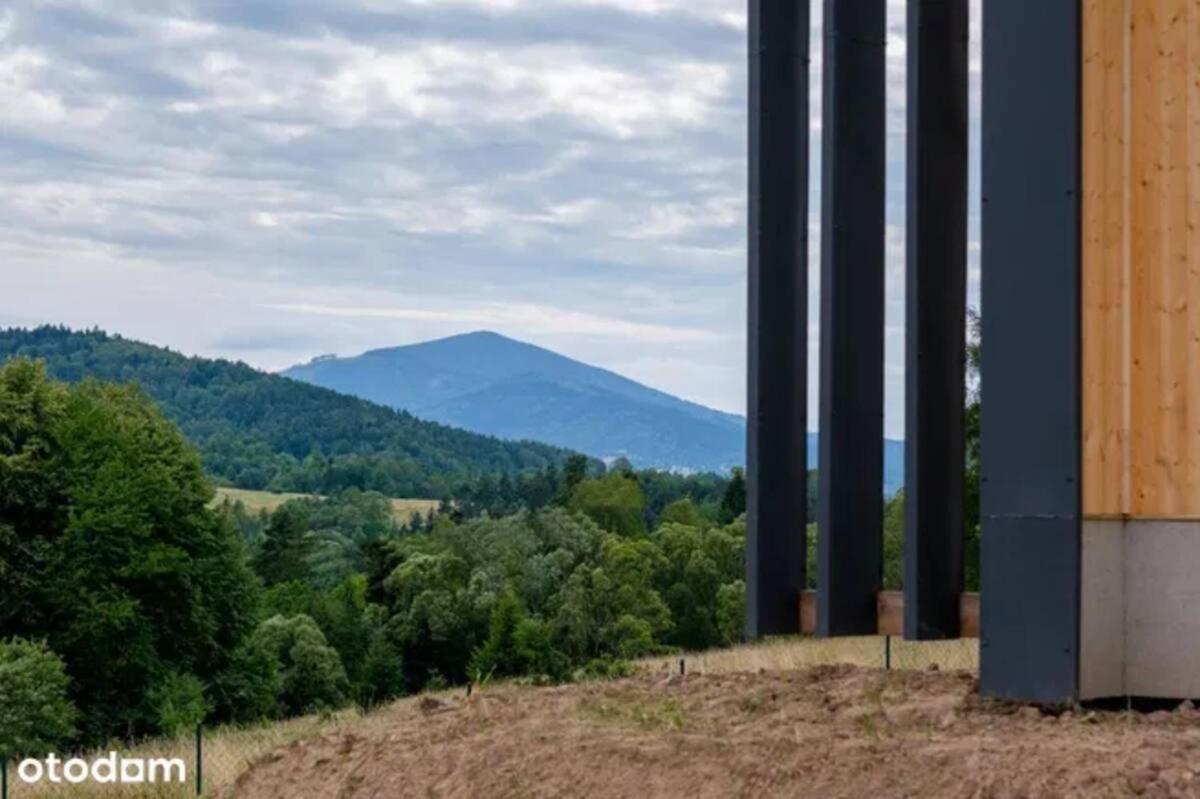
(258, 430)
(836, 731)
(494, 385)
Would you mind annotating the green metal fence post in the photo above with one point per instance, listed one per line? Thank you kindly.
(199, 759)
(3, 776)
(887, 653)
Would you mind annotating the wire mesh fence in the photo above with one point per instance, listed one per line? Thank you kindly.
(210, 759)
(782, 654)
(163, 769)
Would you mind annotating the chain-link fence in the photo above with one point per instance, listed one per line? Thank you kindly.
(163, 769)
(783, 654)
(206, 762)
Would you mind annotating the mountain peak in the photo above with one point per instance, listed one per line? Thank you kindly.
(489, 383)
(486, 381)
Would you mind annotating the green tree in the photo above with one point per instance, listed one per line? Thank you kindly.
(382, 672)
(574, 472)
(434, 624)
(286, 546)
(733, 504)
(696, 563)
(681, 511)
(615, 502)
(310, 671)
(33, 501)
(893, 542)
(124, 570)
(35, 715)
(611, 607)
(498, 656)
(731, 612)
(622, 466)
(536, 652)
(249, 688)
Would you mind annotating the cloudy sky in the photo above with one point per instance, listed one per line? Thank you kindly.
(270, 181)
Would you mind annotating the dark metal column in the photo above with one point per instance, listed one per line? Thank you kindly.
(936, 263)
(1030, 360)
(778, 322)
(850, 503)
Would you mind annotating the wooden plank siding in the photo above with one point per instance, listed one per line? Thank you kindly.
(1105, 303)
(890, 613)
(1141, 259)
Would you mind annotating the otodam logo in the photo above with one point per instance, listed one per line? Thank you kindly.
(107, 770)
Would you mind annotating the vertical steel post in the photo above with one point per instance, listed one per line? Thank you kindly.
(778, 320)
(199, 759)
(850, 489)
(1030, 367)
(936, 263)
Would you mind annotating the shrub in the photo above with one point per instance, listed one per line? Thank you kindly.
(605, 669)
(35, 715)
(177, 703)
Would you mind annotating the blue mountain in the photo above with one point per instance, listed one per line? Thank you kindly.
(495, 385)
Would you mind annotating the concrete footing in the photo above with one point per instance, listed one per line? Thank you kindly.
(1140, 609)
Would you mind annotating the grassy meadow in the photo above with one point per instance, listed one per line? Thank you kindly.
(255, 501)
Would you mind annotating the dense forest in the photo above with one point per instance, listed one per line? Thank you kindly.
(261, 431)
(135, 605)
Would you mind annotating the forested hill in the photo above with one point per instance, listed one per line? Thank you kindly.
(257, 430)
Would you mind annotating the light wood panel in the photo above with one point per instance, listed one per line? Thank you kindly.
(1190, 78)
(1104, 284)
(1160, 448)
(1141, 258)
(890, 605)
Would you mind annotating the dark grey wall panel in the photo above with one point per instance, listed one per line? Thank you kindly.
(1030, 339)
(852, 284)
(936, 263)
(778, 318)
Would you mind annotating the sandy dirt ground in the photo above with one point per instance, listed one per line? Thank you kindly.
(830, 731)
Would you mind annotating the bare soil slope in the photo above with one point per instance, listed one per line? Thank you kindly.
(833, 731)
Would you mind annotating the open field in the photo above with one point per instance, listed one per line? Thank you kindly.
(255, 501)
(828, 731)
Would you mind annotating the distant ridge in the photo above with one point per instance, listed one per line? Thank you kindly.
(258, 430)
(499, 386)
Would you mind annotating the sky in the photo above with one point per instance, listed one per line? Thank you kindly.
(268, 182)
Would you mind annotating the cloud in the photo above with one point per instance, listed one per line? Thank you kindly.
(270, 181)
(528, 318)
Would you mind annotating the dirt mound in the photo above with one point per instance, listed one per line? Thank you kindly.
(827, 732)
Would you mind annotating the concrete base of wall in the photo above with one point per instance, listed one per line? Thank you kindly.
(1140, 609)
